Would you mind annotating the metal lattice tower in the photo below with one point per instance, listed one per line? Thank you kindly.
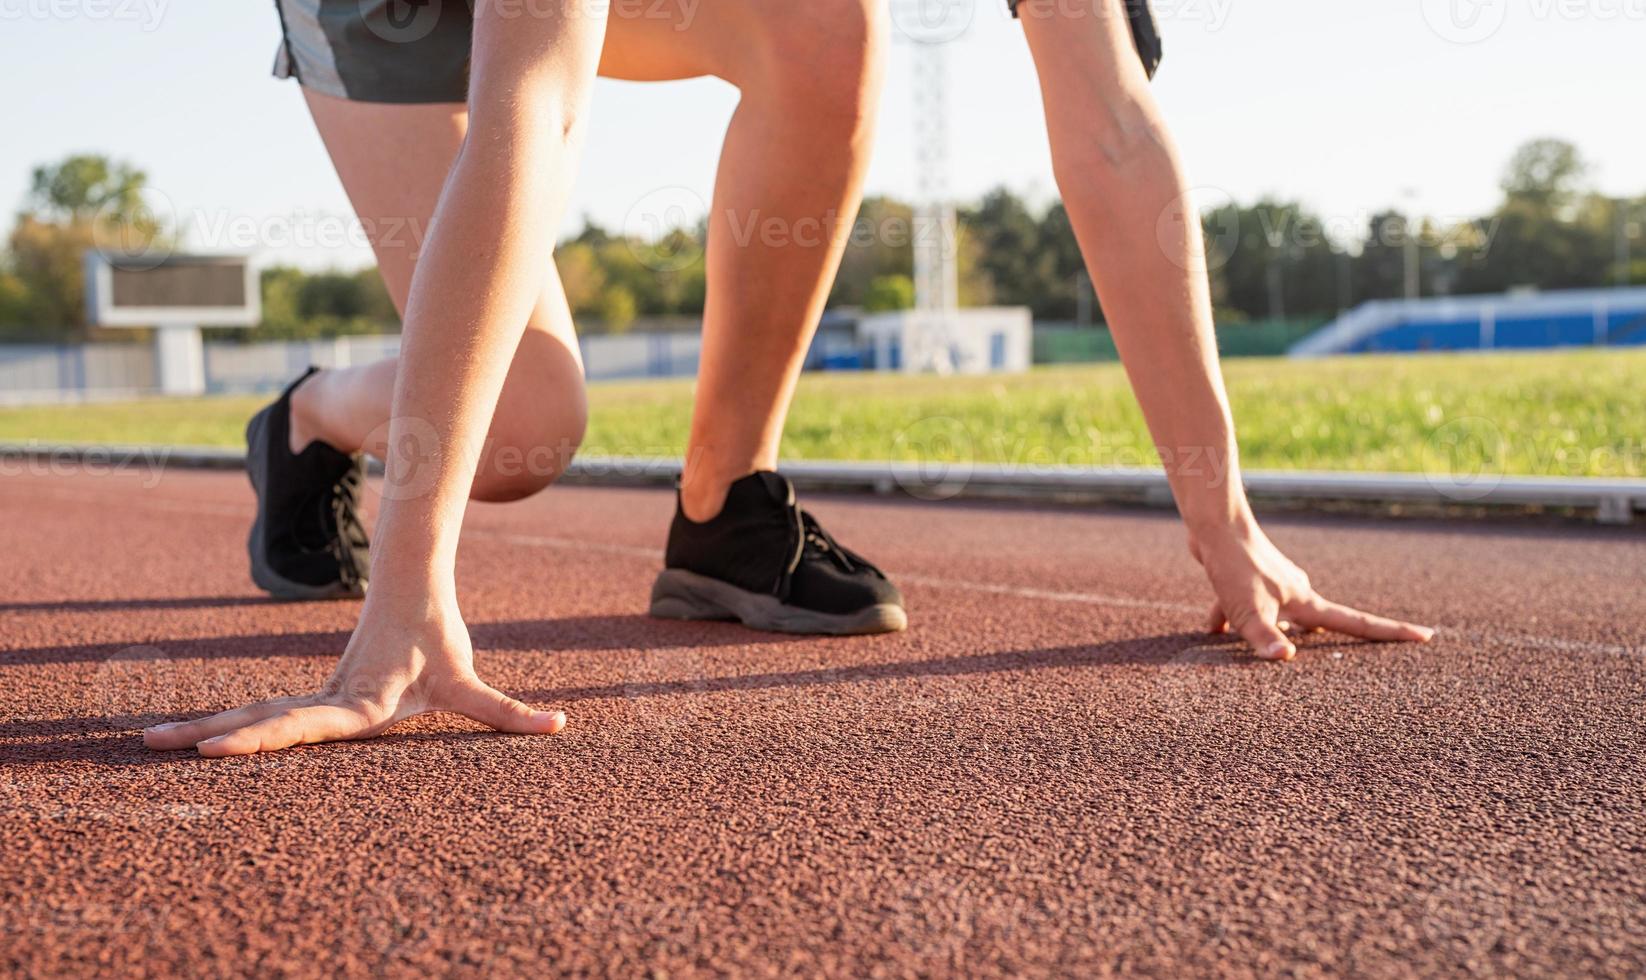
(936, 273)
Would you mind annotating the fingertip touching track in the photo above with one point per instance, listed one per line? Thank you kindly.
(1051, 772)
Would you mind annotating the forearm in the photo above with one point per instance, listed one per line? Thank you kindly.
(470, 301)
(1128, 204)
(1143, 245)
(489, 250)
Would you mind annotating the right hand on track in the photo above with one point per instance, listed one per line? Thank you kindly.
(396, 666)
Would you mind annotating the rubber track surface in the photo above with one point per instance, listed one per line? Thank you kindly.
(1051, 772)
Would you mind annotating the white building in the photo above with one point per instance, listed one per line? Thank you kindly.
(979, 340)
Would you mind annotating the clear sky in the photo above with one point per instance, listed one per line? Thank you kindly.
(1349, 106)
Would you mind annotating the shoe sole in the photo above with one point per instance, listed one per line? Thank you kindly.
(267, 579)
(679, 594)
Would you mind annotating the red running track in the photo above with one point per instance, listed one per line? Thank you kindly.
(1051, 772)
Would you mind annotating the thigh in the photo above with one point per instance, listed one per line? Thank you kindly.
(736, 40)
(393, 160)
(389, 52)
(662, 40)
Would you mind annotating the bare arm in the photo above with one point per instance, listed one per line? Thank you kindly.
(1128, 202)
(489, 251)
(491, 244)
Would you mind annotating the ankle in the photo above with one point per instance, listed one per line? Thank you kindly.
(703, 497)
(304, 403)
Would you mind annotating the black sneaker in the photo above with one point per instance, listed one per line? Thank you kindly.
(307, 541)
(766, 562)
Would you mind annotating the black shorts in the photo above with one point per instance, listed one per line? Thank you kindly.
(417, 51)
(1145, 33)
(404, 51)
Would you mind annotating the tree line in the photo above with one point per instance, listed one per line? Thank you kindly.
(1269, 259)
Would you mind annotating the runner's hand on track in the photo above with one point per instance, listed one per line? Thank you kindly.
(1260, 594)
(388, 674)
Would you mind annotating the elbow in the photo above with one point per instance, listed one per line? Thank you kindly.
(1107, 144)
(527, 114)
(528, 127)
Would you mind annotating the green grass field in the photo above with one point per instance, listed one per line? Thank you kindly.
(1579, 413)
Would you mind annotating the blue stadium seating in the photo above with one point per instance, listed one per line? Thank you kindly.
(1574, 318)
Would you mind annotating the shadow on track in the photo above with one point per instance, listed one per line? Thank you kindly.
(1151, 651)
(1148, 651)
(578, 633)
(126, 605)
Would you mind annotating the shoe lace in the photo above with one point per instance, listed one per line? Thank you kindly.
(348, 535)
(821, 542)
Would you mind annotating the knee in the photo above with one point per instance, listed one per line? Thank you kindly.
(524, 456)
(823, 60)
(539, 422)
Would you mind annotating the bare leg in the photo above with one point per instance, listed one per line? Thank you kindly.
(789, 187)
(483, 279)
(393, 160)
(489, 250)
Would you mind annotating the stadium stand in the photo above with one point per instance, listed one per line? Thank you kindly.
(1508, 321)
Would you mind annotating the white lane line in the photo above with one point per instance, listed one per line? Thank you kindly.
(1083, 598)
(573, 544)
(122, 501)
(1080, 598)
(1547, 643)
(1504, 638)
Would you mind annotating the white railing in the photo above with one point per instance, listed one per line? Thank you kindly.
(53, 373)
